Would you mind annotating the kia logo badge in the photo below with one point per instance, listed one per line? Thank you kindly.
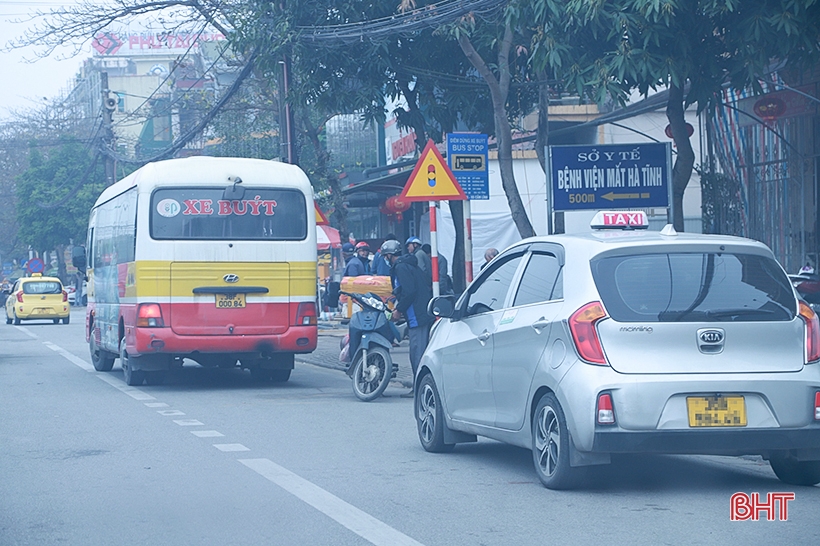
(711, 336)
(230, 277)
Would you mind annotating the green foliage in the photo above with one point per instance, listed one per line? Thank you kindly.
(56, 178)
(610, 47)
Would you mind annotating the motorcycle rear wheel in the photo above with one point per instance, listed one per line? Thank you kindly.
(371, 379)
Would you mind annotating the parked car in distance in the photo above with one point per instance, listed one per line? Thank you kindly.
(627, 341)
(37, 298)
(72, 295)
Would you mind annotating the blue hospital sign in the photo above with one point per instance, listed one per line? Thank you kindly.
(614, 176)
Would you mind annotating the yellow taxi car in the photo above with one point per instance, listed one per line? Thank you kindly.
(37, 298)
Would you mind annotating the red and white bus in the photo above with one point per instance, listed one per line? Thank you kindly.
(207, 258)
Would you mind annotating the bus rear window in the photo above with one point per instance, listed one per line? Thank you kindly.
(694, 287)
(202, 214)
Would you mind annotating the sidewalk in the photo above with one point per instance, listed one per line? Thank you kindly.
(327, 351)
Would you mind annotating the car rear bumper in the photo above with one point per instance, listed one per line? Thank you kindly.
(297, 339)
(45, 315)
(712, 442)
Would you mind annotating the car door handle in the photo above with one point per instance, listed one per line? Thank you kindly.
(483, 337)
(540, 324)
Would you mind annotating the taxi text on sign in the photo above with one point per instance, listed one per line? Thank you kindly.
(431, 179)
(610, 176)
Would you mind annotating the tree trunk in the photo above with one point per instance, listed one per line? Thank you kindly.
(542, 135)
(457, 260)
(685, 161)
(339, 215)
(503, 132)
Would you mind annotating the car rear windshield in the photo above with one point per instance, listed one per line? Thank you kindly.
(43, 287)
(202, 213)
(694, 287)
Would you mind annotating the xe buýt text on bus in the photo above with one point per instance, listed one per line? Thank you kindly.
(207, 258)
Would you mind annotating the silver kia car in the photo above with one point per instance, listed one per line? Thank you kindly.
(627, 341)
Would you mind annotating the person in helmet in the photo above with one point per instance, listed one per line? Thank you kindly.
(358, 264)
(347, 252)
(413, 245)
(412, 291)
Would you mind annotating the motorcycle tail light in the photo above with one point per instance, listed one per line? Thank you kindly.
(306, 314)
(606, 415)
(149, 315)
(812, 332)
(585, 335)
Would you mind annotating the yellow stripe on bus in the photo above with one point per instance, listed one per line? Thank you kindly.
(153, 278)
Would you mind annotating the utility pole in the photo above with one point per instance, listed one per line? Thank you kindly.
(109, 104)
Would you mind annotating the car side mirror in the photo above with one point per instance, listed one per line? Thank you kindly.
(442, 306)
(78, 258)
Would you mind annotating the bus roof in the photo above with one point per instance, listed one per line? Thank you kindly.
(206, 171)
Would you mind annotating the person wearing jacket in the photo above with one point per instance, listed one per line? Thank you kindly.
(413, 245)
(379, 265)
(358, 264)
(412, 293)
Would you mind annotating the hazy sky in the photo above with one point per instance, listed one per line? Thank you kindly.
(25, 84)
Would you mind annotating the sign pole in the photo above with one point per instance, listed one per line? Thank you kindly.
(468, 243)
(434, 250)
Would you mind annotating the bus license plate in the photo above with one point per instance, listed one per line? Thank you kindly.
(230, 301)
(716, 411)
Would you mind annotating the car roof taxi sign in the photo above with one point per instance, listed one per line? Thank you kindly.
(620, 220)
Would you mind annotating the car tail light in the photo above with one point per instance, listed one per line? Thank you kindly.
(812, 332)
(817, 406)
(65, 295)
(582, 326)
(306, 314)
(606, 415)
(149, 315)
(20, 296)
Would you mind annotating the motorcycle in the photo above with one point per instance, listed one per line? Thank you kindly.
(808, 287)
(366, 348)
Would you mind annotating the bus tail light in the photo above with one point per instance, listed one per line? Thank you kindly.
(149, 315)
(585, 336)
(306, 314)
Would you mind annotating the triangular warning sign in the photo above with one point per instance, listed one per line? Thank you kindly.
(321, 219)
(432, 179)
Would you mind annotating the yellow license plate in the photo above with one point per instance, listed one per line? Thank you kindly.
(716, 411)
(230, 301)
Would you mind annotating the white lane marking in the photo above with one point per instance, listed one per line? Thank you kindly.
(207, 433)
(133, 392)
(170, 412)
(188, 422)
(26, 331)
(231, 447)
(360, 522)
(68, 356)
(156, 404)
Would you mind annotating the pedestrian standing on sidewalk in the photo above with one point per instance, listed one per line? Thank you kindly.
(413, 245)
(412, 293)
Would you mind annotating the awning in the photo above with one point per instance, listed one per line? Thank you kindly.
(327, 238)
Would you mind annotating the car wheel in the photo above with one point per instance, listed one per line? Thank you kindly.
(430, 417)
(155, 378)
(56, 321)
(280, 376)
(550, 444)
(66, 320)
(8, 320)
(102, 360)
(133, 378)
(16, 319)
(794, 472)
